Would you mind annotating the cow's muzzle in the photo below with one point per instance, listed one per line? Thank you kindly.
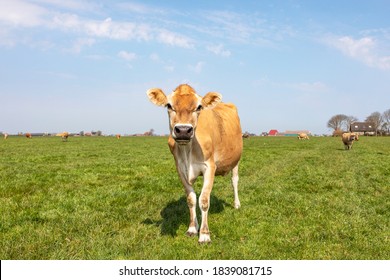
(183, 133)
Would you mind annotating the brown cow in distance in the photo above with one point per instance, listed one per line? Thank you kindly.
(205, 139)
(118, 136)
(64, 136)
(348, 138)
(303, 136)
(28, 135)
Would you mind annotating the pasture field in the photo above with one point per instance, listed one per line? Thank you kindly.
(103, 198)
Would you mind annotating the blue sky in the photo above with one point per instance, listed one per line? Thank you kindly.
(287, 65)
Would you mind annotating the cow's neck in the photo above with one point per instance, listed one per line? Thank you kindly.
(186, 161)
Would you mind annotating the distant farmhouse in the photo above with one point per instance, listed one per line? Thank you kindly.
(363, 128)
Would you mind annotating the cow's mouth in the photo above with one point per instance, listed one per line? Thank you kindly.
(182, 141)
(183, 133)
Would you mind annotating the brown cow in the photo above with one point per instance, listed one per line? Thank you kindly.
(205, 139)
(348, 138)
(303, 136)
(118, 136)
(64, 136)
(28, 135)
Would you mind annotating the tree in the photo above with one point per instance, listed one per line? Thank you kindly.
(349, 121)
(377, 121)
(386, 121)
(338, 122)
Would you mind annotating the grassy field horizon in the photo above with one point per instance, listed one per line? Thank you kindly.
(104, 198)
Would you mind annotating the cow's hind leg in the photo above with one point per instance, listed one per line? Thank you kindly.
(237, 203)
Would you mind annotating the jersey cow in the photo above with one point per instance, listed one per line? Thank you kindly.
(205, 139)
(348, 138)
(64, 136)
(303, 136)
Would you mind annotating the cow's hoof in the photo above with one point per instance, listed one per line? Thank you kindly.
(192, 232)
(204, 238)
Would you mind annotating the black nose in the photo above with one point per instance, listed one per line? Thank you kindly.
(183, 132)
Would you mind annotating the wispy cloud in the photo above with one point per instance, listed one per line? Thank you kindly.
(364, 49)
(309, 87)
(16, 14)
(128, 56)
(219, 50)
(21, 14)
(80, 43)
(140, 8)
(197, 68)
(174, 39)
(244, 28)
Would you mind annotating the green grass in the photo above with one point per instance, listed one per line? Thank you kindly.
(103, 198)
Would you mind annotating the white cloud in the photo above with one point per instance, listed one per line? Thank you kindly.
(21, 14)
(154, 57)
(80, 43)
(173, 39)
(128, 56)
(309, 87)
(219, 50)
(197, 68)
(169, 68)
(364, 49)
(70, 4)
(139, 8)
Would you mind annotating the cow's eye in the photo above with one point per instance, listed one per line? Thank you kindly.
(169, 107)
(199, 108)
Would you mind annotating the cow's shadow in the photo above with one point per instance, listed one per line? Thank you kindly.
(176, 213)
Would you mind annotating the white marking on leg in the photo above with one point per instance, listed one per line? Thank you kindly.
(235, 178)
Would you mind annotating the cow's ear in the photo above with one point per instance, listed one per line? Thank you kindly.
(157, 96)
(211, 100)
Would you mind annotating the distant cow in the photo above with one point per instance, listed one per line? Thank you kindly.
(348, 138)
(5, 136)
(205, 139)
(303, 136)
(28, 135)
(118, 136)
(64, 136)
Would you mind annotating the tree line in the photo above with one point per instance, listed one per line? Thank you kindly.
(380, 122)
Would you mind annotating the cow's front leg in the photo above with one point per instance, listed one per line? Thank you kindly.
(204, 204)
(191, 202)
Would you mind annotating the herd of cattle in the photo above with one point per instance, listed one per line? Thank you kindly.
(205, 140)
(348, 138)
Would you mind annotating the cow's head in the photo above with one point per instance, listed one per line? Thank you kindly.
(184, 107)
